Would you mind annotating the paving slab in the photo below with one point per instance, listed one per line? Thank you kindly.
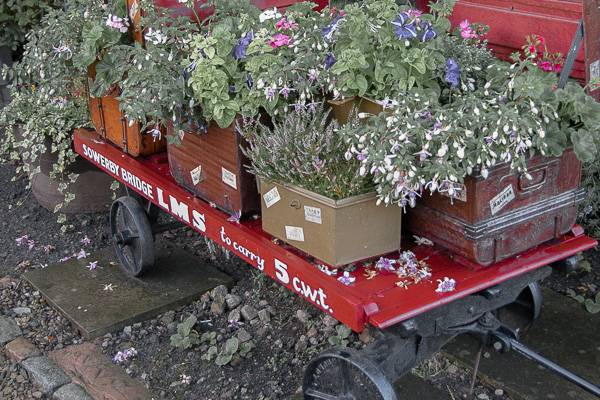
(566, 334)
(97, 374)
(82, 295)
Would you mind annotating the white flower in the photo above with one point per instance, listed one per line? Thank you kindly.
(269, 14)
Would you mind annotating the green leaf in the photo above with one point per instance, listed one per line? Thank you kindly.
(223, 359)
(231, 346)
(592, 307)
(583, 145)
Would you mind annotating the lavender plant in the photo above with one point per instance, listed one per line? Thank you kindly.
(304, 150)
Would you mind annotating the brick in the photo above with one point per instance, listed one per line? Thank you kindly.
(71, 391)
(21, 349)
(97, 374)
(45, 374)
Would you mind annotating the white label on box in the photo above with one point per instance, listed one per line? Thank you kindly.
(271, 197)
(502, 199)
(196, 174)
(594, 73)
(133, 10)
(294, 233)
(312, 214)
(229, 178)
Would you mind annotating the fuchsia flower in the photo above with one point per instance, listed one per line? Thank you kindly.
(446, 285)
(280, 40)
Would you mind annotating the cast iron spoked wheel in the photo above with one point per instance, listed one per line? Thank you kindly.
(132, 235)
(524, 313)
(343, 374)
(149, 208)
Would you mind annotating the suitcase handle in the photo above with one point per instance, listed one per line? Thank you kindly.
(539, 177)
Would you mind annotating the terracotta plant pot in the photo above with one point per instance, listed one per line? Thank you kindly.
(336, 232)
(92, 188)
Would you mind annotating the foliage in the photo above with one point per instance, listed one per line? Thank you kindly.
(210, 337)
(591, 305)
(231, 352)
(155, 91)
(105, 43)
(49, 96)
(432, 144)
(17, 17)
(383, 50)
(341, 336)
(589, 210)
(245, 61)
(186, 336)
(304, 150)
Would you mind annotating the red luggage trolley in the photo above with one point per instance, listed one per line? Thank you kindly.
(418, 321)
(412, 322)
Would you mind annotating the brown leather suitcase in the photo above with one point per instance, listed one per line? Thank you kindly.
(502, 215)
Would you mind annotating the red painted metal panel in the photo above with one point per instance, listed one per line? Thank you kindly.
(377, 301)
(511, 20)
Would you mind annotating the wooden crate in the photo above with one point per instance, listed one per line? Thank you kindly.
(112, 125)
(211, 166)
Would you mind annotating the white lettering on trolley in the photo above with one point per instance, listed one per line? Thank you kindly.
(181, 210)
(316, 296)
(98, 158)
(249, 254)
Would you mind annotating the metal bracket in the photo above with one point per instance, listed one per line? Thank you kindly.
(573, 50)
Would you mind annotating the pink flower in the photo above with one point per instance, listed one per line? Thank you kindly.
(465, 25)
(280, 40)
(557, 67)
(546, 66)
(532, 49)
(541, 39)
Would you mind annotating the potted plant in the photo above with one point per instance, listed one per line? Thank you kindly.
(450, 145)
(107, 53)
(380, 50)
(248, 62)
(313, 197)
(49, 102)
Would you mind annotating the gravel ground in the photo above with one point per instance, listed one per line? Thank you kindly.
(283, 330)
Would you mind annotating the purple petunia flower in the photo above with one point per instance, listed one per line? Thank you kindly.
(428, 32)
(404, 30)
(329, 61)
(239, 50)
(21, 240)
(330, 29)
(346, 279)
(385, 264)
(452, 72)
